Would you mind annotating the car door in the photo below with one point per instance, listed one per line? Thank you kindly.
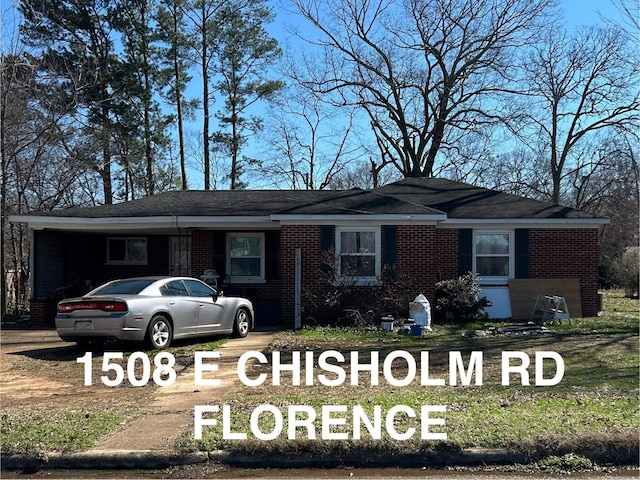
(210, 311)
(182, 307)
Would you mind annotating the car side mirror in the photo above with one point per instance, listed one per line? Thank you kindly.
(215, 295)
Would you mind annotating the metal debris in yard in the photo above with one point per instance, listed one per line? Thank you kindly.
(514, 330)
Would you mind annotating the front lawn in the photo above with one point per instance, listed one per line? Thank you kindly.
(593, 408)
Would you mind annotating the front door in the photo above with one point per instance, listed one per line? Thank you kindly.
(180, 256)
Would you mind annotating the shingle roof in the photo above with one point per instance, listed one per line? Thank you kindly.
(410, 196)
(361, 202)
(202, 203)
(461, 200)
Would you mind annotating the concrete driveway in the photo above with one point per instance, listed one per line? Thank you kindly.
(173, 405)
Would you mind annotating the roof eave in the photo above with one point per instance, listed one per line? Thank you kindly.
(138, 223)
(525, 222)
(37, 222)
(379, 218)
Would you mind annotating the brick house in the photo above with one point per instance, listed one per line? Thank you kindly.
(427, 228)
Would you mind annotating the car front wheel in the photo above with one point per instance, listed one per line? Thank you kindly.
(160, 333)
(241, 326)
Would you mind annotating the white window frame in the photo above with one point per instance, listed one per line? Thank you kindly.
(241, 278)
(495, 280)
(358, 280)
(127, 260)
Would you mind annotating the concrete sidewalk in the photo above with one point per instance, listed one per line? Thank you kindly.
(172, 408)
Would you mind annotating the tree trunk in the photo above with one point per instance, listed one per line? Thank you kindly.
(205, 102)
(176, 72)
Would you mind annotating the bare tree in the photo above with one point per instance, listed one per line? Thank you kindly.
(37, 173)
(309, 141)
(174, 63)
(427, 72)
(201, 14)
(579, 85)
(629, 21)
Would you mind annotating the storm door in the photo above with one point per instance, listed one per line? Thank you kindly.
(180, 256)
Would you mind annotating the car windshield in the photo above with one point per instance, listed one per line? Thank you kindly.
(122, 287)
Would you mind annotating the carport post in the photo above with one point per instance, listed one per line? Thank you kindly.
(298, 289)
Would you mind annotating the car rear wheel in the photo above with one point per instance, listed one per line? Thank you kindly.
(160, 333)
(242, 323)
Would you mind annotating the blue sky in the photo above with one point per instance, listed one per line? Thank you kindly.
(576, 13)
(586, 11)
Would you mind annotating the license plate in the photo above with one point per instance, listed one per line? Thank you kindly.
(84, 325)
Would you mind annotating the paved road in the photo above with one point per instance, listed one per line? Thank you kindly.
(332, 474)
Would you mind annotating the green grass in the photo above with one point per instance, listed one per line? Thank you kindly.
(64, 426)
(595, 406)
(35, 432)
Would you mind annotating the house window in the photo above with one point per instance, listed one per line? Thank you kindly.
(493, 256)
(245, 259)
(127, 250)
(358, 254)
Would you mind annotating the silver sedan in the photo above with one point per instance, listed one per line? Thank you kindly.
(156, 310)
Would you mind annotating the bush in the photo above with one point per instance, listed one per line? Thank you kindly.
(626, 271)
(458, 299)
(342, 302)
(565, 464)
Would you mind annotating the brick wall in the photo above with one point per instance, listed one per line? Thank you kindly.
(568, 253)
(307, 238)
(423, 253)
(426, 253)
(417, 257)
(446, 254)
(201, 252)
(42, 313)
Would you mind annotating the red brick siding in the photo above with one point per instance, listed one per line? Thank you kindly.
(446, 254)
(567, 253)
(42, 313)
(201, 252)
(429, 254)
(306, 238)
(417, 256)
(423, 253)
(426, 253)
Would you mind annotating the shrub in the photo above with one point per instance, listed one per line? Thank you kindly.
(458, 299)
(626, 270)
(341, 301)
(564, 464)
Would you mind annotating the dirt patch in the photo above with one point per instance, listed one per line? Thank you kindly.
(39, 369)
(40, 373)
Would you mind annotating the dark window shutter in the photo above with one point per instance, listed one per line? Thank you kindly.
(220, 253)
(389, 249)
(465, 250)
(271, 249)
(327, 244)
(389, 245)
(522, 253)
